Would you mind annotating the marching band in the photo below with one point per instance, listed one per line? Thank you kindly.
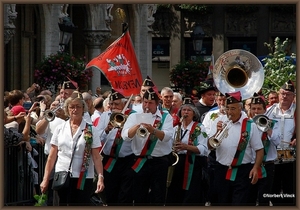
(153, 153)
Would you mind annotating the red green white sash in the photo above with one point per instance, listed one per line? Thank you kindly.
(149, 145)
(189, 160)
(240, 152)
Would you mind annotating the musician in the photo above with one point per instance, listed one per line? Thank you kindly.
(190, 142)
(270, 140)
(234, 172)
(285, 172)
(117, 155)
(99, 109)
(209, 119)
(145, 86)
(152, 151)
(207, 98)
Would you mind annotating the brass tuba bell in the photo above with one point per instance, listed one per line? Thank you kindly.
(238, 70)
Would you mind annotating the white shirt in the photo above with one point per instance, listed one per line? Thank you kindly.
(162, 147)
(201, 140)
(95, 115)
(87, 118)
(49, 132)
(138, 108)
(63, 139)
(227, 149)
(108, 139)
(209, 119)
(286, 124)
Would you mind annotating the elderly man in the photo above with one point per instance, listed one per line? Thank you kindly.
(234, 171)
(285, 170)
(117, 154)
(151, 150)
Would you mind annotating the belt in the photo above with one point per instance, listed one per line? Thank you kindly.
(268, 162)
(149, 157)
(109, 156)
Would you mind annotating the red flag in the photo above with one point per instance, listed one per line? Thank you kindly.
(119, 65)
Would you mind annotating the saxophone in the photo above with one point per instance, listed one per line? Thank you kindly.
(176, 140)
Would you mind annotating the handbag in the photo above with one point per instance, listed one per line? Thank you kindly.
(61, 179)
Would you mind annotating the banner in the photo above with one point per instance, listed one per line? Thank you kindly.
(119, 65)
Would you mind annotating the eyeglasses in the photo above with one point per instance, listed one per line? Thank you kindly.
(286, 94)
(75, 107)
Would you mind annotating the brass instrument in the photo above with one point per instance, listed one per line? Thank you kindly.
(50, 114)
(177, 140)
(116, 119)
(262, 122)
(238, 70)
(142, 131)
(216, 140)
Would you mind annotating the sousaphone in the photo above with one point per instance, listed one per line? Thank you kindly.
(238, 70)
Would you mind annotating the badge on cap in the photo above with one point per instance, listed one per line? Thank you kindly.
(233, 97)
(115, 95)
(68, 85)
(288, 86)
(257, 99)
(148, 82)
(188, 101)
(150, 94)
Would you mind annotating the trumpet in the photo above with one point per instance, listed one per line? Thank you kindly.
(216, 140)
(142, 131)
(262, 122)
(50, 114)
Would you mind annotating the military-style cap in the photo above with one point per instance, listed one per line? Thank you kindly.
(257, 99)
(77, 94)
(148, 82)
(288, 86)
(68, 85)
(234, 97)
(188, 101)
(206, 86)
(150, 94)
(219, 94)
(115, 95)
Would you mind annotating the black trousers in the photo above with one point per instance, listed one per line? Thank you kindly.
(119, 182)
(263, 187)
(152, 176)
(176, 195)
(233, 192)
(75, 197)
(285, 181)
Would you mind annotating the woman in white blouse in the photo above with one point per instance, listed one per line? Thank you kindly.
(63, 142)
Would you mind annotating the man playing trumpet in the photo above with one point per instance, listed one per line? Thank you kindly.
(234, 172)
(151, 150)
(117, 154)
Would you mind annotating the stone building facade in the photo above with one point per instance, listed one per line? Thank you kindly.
(31, 31)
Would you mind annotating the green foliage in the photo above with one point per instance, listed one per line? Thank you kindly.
(277, 68)
(41, 199)
(55, 68)
(189, 73)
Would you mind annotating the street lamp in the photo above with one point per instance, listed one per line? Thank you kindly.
(197, 35)
(66, 29)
